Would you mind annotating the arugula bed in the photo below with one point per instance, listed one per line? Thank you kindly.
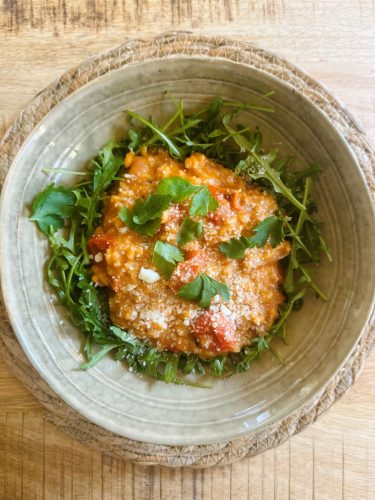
(71, 218)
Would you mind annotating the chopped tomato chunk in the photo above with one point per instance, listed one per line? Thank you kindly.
(215, 331)
(223, 211)
(188, 270)
(99, 243)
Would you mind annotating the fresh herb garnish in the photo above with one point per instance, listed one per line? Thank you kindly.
(176, 188)
(145, 217)
(270, 228)
(202, 289)
(189, 230)
(52, 206)
(179, 189)
(150, 209)
(165, 258)
(235, 248)
(203, 202)
(148, 229)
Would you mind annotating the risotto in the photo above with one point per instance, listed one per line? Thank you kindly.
(145, 302)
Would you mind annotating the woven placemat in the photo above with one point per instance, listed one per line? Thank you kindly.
(185, 45)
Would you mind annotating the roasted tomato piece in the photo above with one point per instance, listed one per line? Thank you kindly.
(215, 331)
(188, 270)
(223, 211)
(99, 243)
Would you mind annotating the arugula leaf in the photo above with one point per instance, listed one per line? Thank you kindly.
(203, 202)
(165, 258)
(257, 166)
(105, 349)
(189, 230)
(134, 140)
(148, 229)
(202, 289)
(177, 188)
(52, 206)
(106, 166)
(150, 209)
(171, 145)
(271, 227)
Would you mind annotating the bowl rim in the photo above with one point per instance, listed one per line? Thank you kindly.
(183, 44)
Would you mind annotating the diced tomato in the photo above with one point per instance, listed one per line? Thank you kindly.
(188, 270)
(99, 243)
(215, 331)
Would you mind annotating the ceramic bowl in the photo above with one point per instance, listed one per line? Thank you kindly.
(67, 125)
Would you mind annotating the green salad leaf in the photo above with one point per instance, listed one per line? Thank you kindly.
(52, 206)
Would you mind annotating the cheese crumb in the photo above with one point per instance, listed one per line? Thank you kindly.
(225, 310)
(98, 257)
(148, 275)
(123, 230)
(133, 316)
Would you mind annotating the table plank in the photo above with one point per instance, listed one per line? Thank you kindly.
(334, 42)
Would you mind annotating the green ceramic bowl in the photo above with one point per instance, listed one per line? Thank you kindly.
(72, 119)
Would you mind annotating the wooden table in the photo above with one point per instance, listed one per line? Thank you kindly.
(333, 41)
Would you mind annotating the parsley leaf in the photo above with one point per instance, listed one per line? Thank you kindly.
(51, 206)
(165, 258)
(145, 217)
(189, 230)
(148, 229)
(203, 202)
(272, 228)
(177, 188)
(202, 289)
(150, 209)
(235, 248)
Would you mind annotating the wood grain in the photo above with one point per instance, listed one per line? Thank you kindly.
(334, 42)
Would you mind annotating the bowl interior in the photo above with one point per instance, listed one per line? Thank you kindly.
(320, 336)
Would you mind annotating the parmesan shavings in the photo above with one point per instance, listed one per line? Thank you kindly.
(148, 275)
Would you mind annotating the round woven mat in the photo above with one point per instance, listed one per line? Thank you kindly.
(185, 45)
